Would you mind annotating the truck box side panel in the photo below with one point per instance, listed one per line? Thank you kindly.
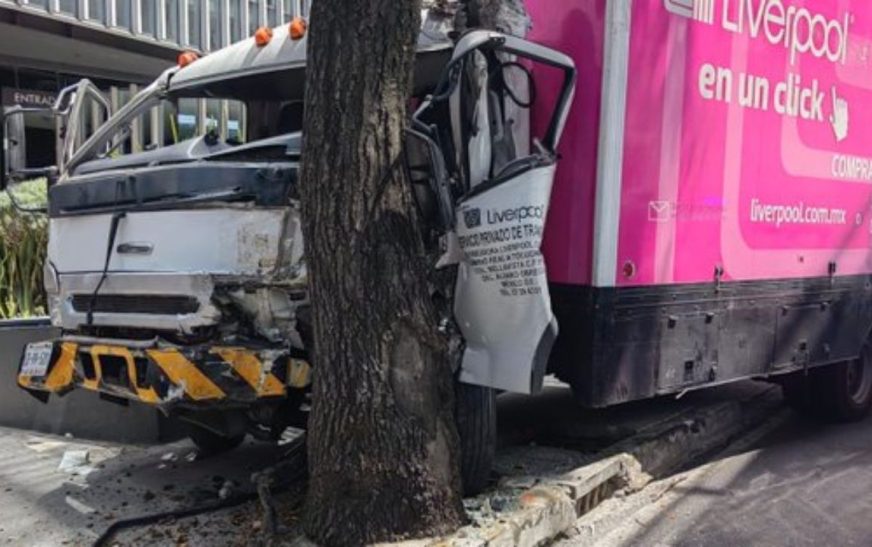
(746, 141)
(744, 197)
(575, 27)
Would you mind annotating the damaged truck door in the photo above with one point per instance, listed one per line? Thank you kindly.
(501, 188)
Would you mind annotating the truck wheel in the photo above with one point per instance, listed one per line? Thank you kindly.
(211, 443)
(476, 417)
(848, 388)
(841, 392)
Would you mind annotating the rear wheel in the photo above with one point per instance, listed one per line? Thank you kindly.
(211, 443)
(841, 392)
(850, 388)
(476, 416)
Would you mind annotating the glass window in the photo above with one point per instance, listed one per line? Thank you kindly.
(186, 120)
(171, 20)
(272, 16)
(235, 121)
(213, 115)
(235, 20)
(194, 38)
(170, 117)
(122, 13)
(253, 16)
(148, 17)
(145, 129)
(70, 7)
(216, 33)
(97, 10)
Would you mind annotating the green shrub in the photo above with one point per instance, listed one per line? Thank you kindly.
(23, 240)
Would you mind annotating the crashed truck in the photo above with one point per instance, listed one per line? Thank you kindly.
(642, 198)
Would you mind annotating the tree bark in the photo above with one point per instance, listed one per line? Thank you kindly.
(383, 448)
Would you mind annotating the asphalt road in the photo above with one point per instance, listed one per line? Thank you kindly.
(804, 483)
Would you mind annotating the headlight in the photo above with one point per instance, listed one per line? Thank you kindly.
(50, 279)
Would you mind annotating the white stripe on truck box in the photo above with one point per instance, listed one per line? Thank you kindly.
(611, 142)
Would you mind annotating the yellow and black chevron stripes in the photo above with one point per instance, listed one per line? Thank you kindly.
(144, 394)
(251, 369)
(187, 375)
(181, 372)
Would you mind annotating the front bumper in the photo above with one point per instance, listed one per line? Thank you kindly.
(197, 376)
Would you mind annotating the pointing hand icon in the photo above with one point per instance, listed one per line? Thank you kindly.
(839, 117)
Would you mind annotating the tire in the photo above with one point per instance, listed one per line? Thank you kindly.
(839, 393)
(476, 417)
(847, 388)
(210, 443)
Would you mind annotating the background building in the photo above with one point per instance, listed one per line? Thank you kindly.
(121, 45)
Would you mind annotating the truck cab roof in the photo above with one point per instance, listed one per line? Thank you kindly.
(279, 67)
(247, 72)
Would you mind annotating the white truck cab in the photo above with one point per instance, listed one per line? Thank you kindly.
(178, 275)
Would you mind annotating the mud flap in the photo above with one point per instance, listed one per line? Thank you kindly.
(502, 302)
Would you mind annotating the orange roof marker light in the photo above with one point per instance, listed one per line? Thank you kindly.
(297, 29)
(187, 57)
(262, 36)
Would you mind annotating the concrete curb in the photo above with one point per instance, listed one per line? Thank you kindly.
(544, 511)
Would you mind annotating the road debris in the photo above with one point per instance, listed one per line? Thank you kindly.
(76, 462)
(226, 489)
(79, 506)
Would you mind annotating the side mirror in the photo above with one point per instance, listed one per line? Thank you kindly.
(18, 164)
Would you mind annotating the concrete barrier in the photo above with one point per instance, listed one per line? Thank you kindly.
(80, 413)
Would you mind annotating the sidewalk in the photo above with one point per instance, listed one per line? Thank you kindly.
(42, 504)
(556, 462)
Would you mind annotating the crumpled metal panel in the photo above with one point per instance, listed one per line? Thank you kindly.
(502, 302)
(199, 286)
(222, 240)
(256, 254)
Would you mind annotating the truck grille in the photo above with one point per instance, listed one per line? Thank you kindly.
(145, 304)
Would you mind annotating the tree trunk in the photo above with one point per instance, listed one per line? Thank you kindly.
(383, 448)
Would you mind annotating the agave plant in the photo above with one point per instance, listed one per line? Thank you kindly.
(23, 240)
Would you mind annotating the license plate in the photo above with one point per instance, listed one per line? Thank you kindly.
(37, 358)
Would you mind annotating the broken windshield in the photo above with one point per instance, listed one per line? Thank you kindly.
(160, 126)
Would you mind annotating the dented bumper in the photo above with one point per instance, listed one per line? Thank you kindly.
(196, 376)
